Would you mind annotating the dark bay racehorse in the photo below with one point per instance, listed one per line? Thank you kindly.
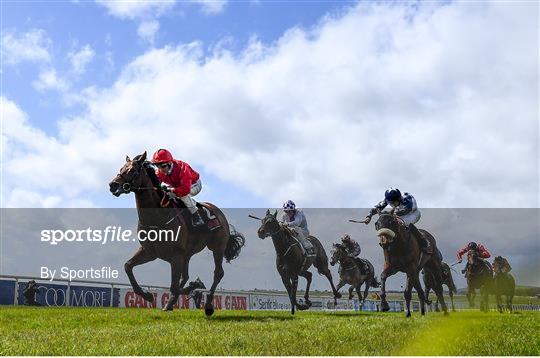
(504, 283)
(138, 176)
(479, 276)
(402, 254)
(351, 274)
(448, 280)
(290, 260)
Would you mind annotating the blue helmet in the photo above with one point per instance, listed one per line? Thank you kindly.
(392, 194)
(289, 205)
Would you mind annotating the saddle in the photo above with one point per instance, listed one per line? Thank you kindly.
(211, 221)
(307, 247)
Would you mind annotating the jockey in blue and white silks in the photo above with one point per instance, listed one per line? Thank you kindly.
(294, 218)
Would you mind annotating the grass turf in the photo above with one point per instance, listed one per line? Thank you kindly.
(114, 331)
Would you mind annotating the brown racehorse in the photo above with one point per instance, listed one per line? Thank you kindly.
(448, 280)
(138, 176)
(503, 283)
(402, 254)
(351, 274)
(291, 262)
(479, 276)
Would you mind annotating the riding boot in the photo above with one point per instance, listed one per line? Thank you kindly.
(196, 219)
(422, 241)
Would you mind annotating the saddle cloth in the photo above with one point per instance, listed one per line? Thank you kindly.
(211, 221)
(307, 247)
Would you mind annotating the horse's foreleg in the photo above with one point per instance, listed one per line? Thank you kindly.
(307, 275)
(294, 288)
(384, 275)
(287, 283)
(218, 275)
(141, 256)
(177, 264)
(185, 277)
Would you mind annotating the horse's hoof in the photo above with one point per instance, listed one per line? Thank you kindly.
(385, 307)
(351, 297)
(408, 315)
(428, 302)
(302, 307)
(167, 308)
(148, 296)
(308, 302)
(208, 311)
(337, 295)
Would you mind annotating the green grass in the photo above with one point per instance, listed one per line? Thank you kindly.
(113, 331)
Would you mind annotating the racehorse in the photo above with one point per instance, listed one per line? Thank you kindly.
(429, 283)
(291, 260)
(402, 254)
(503, 283)
(351, 274)
(157, 215)
(479, 276)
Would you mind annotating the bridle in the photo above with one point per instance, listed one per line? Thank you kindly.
(343, 255)
(127, 185)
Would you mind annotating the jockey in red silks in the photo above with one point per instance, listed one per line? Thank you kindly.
(480, 250)
(178, 179)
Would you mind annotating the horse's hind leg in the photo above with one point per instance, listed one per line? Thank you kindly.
(421, 295)
(307, 275)
(366, 290)
(326, 272)
(407, 294)
(141, 256)
(218, 275)
(351, 294)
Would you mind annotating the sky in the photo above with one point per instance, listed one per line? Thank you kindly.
(327, 103)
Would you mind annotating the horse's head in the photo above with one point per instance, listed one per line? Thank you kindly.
(498, 264)
(472, 257)
(269, 225)
(338, 252)
(130, 176)
(387, 227)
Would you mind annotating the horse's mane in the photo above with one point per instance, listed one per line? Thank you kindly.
(151, 174)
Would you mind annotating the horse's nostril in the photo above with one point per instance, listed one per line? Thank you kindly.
(113, 186)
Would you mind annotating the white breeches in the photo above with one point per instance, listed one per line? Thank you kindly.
(411, 218)
(188, 200)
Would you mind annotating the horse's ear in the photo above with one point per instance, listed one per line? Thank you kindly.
(275, 214)
(267, 212)
(127, 159)
(143, 157)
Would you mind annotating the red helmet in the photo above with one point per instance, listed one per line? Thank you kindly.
(162, 156)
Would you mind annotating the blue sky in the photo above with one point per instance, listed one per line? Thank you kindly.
(314, 101)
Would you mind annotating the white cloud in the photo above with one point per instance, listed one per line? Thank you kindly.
(211, 7)
(136, 9)
(144, 11)
(441, 105)
(49, 80)
(147, 30)
(80, 59)
(29, 46)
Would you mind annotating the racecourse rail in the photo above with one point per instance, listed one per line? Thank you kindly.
(62, 292)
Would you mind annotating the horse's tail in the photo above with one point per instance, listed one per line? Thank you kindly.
(234, 245)
(321, 261)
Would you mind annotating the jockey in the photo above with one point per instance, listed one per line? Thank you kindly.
(480, 250)
(178, 179)
(405, 207)
(294, 218)
(353, 250)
